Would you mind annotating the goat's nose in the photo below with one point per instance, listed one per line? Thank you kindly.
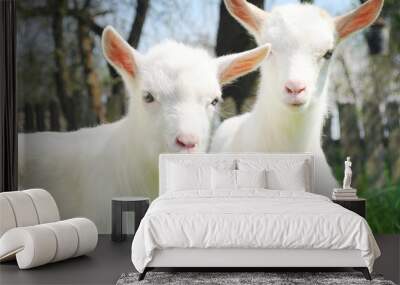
(187, 141)
(295, 87)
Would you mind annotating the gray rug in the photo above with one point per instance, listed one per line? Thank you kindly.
(244, 278)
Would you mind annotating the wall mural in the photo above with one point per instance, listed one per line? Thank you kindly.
(104, 87)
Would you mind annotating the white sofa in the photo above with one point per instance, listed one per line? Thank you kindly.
(31, 230)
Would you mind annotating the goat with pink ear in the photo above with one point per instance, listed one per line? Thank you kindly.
(292, 100)
(174, 92)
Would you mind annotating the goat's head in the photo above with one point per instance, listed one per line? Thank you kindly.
(303, 39)
(174, 89)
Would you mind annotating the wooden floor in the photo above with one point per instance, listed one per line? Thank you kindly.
(110, 260)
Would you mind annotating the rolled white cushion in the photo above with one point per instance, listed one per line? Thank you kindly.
(46, 207)
(87, 233)
(7, 218)
(41, 244)
(67, 239)
(26, 208)
(33, 246)
(23, 208)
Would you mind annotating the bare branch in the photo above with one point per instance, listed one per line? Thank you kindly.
(137, 26)
(88, 20)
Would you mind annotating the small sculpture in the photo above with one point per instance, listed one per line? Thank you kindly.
(347, 174)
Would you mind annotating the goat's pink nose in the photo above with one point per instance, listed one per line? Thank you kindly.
(295, 87)
(187, 141)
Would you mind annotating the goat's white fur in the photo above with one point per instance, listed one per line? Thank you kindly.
(300, 36)
(84, 169)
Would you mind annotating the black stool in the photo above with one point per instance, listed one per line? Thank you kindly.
(139, 205)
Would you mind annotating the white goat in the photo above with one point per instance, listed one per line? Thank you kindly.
(174, 92)
(292, 99)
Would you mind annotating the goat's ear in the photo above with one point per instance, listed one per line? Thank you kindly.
(231, 67)
(249, 15)
(118, 52)
(359, 18)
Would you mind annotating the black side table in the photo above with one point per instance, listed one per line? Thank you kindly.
(139, 205)
(357, 206)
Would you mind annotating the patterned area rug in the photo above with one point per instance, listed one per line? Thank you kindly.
(244, 278)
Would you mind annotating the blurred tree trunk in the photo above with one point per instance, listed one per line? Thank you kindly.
(375, 164)
(375, 36)
(393, 127)
(86, 45)
(29, 126)
(40, 117)
(332, 149)
(350, 139)
(62, 80)
(231, 38)
(376, 168)
(54, 116)
(138, 23)
(350, 133)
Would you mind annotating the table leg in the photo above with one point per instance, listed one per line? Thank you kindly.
(116, 232)
(140, 211)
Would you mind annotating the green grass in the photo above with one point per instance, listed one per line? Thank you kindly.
(383, 209)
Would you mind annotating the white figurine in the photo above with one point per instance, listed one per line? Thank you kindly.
(347, 174)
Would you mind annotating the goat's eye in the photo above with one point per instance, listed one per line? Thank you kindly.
(148, 98)
(215, 102)
(328, 54)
